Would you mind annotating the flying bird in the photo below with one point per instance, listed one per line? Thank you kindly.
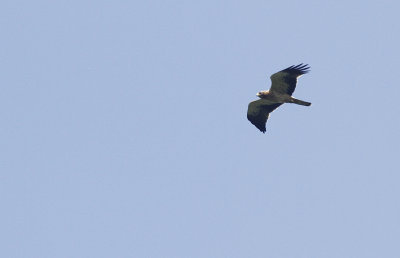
(282, 88)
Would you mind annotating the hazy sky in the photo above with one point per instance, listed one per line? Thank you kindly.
(124, 131)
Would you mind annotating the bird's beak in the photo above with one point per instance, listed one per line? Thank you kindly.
(258, 94)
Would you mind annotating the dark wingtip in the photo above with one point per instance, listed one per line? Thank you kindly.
(299, 69)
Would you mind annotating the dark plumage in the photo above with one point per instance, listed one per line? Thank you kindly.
(260, 119)
(282, 88)
(285, 80)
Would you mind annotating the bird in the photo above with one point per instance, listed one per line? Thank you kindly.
(283, 84)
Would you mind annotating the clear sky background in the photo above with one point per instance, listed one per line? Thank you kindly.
(124, 131)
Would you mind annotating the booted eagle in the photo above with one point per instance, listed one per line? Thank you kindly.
(282, 88)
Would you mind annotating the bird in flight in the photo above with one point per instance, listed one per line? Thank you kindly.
(282, 88)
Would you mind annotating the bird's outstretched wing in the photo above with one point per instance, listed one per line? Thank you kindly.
(258, 113)
(284, 82)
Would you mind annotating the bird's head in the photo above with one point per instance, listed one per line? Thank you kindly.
(261, 94)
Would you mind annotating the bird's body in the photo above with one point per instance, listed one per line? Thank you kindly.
(282, 88)
(274, 97)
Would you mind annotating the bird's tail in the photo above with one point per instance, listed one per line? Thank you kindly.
(300, 102)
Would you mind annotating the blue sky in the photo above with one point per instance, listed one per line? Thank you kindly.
(124, 130)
